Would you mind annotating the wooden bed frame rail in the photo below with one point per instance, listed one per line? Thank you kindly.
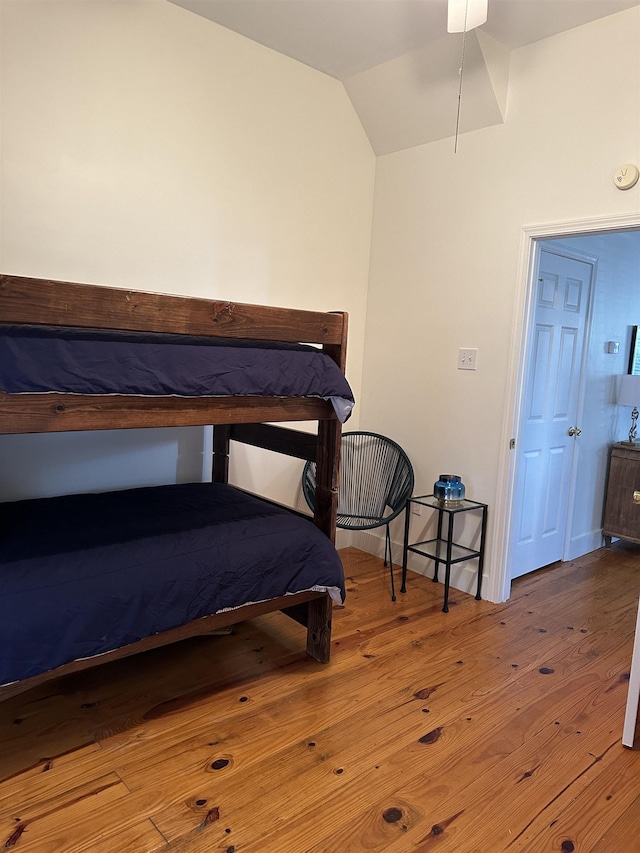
(61, 303)
(310, 609)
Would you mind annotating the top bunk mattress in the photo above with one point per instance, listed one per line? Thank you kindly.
(46, 359)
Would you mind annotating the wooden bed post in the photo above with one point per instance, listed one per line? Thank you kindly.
(327, 476)
(328, 449)
(319, 628)
(315, 616)
(221, 433)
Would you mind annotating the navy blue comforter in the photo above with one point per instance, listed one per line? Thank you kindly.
(39, 359)
(84, 574)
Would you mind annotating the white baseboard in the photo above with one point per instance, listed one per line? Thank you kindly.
(344, 539)
(464, 576)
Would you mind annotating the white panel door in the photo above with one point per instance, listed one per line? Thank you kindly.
(544, 445)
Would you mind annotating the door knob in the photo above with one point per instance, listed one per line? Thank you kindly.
(574, 431)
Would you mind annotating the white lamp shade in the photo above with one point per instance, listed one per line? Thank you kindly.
(465, 15)
(629, 390)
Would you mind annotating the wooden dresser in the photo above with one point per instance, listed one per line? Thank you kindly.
(622, 503)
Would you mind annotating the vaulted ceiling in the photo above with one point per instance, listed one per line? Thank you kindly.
(395, 58)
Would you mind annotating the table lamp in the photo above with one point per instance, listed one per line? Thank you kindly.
(629, 395)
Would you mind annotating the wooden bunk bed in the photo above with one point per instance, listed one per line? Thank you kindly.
(248, 418)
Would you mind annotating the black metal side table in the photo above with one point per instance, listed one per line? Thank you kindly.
(441, 549)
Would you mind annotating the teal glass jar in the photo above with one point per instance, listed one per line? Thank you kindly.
(449, 489)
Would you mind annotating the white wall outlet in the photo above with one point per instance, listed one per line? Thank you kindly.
(416, 509)
(467, 359)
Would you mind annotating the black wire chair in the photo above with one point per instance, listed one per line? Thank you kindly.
(376, 478)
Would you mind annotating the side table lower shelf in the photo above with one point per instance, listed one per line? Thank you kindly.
(442, 549)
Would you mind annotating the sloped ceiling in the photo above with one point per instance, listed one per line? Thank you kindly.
(395, 58)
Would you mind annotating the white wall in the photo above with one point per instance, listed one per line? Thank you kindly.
(145, 147)
(446, 247)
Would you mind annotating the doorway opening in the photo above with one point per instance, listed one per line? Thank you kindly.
(613, 245)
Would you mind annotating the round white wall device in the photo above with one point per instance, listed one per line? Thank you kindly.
(626, 176)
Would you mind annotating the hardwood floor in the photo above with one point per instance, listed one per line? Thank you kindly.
(491, 728)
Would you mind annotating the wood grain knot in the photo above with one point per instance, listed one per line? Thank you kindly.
(526, 775)
(220, 308)
(432, 736)
(392, 815)
(426, 692)
(221, 763)
(211, 816)
(13, 839)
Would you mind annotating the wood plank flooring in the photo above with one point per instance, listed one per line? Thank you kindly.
(491, 728)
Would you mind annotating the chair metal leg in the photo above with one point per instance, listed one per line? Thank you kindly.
(387, 549)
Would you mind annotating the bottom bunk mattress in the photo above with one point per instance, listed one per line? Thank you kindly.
(81, 575)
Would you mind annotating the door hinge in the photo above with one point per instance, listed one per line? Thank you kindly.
(512, 444)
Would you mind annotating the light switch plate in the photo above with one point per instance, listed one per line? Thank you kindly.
(468, 358)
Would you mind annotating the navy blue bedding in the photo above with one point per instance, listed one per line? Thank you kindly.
(39, 359)
(84, 574)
